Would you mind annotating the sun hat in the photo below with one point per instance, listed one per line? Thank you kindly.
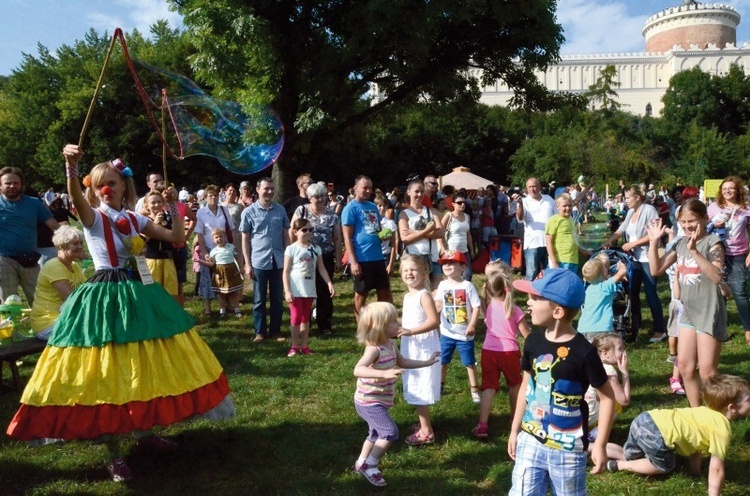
(452, 256)
(561, 286)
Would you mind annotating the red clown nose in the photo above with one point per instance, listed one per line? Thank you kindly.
(107, 191)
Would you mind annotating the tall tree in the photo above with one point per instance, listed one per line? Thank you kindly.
(315, 61)
(603, 90)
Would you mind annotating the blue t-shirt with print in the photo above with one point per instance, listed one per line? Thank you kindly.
(365, 219)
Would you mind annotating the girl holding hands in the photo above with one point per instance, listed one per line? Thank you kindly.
(376, 374)
(420, 339)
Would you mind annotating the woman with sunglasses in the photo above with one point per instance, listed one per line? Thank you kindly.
(458, 231)
(327, 235)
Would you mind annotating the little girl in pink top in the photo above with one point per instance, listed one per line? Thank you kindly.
(500, 351)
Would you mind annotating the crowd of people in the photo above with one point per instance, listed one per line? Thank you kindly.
(566, 383)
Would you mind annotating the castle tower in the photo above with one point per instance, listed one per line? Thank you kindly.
(691, 23)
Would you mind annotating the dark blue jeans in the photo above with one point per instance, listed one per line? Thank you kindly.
(737, 279)
(536, 261)
(642, 276)
(268, 282)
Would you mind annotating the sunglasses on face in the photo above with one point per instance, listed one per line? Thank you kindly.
(306, 229)
(459, 202)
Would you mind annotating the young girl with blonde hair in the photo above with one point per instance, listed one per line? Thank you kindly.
(500, 351)
(420, 339)
(376, 374)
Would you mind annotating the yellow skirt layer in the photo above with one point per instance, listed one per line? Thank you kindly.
(164, 272)
(121, 373)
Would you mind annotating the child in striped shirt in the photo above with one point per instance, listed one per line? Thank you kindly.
(376, 374)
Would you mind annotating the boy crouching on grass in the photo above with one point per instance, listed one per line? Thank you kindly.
(548, 439)
(656, 435)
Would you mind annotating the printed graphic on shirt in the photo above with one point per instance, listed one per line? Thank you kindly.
(688, 270)
(307, 263)
(553, 413)
(454, 306)
(371, 225)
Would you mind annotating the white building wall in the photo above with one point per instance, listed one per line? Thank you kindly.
(643, 77)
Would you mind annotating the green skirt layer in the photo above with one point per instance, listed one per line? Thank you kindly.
(111, 307)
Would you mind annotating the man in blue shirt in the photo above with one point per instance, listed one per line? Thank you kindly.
(265, 236)
(360, 221)
(19, 215)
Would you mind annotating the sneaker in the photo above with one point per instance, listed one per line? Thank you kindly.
(419, 438)
(676, 386)
(475, 396)
(222, 315)
(293, 351)
(612, 466)
(119, 470)
(306, 350)
(672, 358)
(372, 474)
(157, 444)
(481, 431)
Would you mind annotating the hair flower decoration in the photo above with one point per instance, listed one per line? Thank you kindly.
(122, 168)
(87, 181)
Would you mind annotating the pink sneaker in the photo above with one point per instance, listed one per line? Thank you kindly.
(306, 350)
(293, 351)
(676, 386)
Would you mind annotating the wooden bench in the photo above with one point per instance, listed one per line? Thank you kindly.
(13, 352)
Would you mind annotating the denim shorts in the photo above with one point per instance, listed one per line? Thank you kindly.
(538, 466)
(645, 441)
(465, 351)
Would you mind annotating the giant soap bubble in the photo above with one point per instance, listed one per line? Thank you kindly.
(244, 140)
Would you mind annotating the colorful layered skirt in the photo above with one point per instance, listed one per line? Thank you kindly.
(122, 357)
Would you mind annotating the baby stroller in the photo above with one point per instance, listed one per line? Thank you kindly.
(621, 307)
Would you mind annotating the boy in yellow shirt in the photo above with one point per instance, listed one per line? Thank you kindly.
(656, 435)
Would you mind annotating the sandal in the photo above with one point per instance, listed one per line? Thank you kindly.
(419, 438)
(372, 474)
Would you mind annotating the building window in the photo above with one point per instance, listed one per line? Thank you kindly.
(649, 110)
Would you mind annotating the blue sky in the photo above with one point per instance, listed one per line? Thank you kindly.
(591, 26)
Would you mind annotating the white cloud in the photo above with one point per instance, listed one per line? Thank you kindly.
(145, 13)
(134, 14)
(103, 22)
(591, 27)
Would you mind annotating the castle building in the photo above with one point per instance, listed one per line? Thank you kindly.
(676, 39)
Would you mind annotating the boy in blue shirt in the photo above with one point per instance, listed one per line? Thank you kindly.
(597, 316)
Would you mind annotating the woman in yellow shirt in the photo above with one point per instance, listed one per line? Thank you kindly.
(57, 279)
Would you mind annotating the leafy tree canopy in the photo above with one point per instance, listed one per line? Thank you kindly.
(314, 61)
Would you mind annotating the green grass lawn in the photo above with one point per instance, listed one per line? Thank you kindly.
(296, 431)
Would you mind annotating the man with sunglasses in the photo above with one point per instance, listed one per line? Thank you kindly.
(430, 189)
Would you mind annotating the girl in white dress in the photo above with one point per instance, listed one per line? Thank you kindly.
(420, 340)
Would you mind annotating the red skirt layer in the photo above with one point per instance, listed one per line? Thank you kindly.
(93, 422)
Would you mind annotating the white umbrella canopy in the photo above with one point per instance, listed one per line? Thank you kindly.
(461, 177)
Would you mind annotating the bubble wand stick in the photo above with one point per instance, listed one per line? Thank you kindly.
(96, 91)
